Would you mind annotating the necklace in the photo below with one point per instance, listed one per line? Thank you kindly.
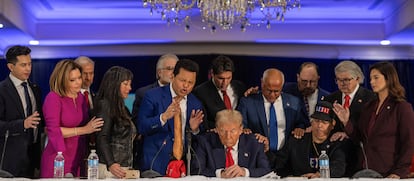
(314, 147)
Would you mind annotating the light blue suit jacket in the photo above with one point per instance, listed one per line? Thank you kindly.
(158, 139)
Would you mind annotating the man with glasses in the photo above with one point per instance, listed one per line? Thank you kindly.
(229, 153)
(306, 88)
(165, 68)
(272, 113)
(348, 77)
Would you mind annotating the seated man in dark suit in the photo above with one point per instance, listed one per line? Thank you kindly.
(229, 153)
(299, 157)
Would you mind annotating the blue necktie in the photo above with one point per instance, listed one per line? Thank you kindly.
(272, 128)
(29, 110)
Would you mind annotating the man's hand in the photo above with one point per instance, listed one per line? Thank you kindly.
(233, 171)
(173, 108)
(338, 136)
(263, 139)
(32, 121)
(247, 131)
(251, 90)
(196, 119)
(298, 133)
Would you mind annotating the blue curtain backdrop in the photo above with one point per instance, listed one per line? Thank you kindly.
(249, 69)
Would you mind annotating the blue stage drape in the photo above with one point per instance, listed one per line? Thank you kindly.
(249, 69)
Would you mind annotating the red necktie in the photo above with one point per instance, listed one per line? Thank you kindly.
(86, 93)
(229, 158)
(346, 104)
(226, 100)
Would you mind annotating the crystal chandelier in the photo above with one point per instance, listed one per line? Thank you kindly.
(222, 13)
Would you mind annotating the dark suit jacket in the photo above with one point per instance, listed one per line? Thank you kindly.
(21, 156)
(139, 94)
(208, 94)
(294, 157)
(390, 145)
(254, 115)
(158, 139)
(362, 96)
(211, 155)
(292, 88)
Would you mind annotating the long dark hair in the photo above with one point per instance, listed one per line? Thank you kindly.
(109, 90)
(395, 89)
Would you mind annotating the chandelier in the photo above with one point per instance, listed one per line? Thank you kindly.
(222, 13)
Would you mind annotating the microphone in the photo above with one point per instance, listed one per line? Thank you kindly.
(3, 173)
(366, 173)
(152, 173)
(188, 135)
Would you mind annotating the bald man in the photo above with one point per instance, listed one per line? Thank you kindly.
(271, 111)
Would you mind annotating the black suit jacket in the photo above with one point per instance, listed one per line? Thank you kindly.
(211, 155)
(362, 96)
(21, 155)
(208, 94)
(139, 94)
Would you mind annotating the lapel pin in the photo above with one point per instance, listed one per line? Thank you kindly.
(287, 104)
(359, 100)
(246, 154)
(388, 107)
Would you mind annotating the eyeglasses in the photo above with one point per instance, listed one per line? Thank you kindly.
(168, 68)
(343, 81)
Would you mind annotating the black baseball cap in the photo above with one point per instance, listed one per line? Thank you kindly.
(323, 111)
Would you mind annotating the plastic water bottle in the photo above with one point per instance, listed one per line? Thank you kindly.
(324, 165)
(59, 166)
(93, 161)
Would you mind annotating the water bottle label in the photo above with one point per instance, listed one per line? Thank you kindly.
(323, 163)
(59, 163)
(92, 163)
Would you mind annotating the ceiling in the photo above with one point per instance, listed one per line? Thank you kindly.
(320, 28)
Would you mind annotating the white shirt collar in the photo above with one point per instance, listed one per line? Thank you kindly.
(15, 80)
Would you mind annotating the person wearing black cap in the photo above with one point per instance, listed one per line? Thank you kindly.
(299, 157)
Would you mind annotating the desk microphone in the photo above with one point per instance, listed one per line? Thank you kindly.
(366, 173)
(3, 173)
(188, 155)
(152, 173)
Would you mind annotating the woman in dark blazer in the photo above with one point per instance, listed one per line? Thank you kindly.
(386, 126)
(115, 141)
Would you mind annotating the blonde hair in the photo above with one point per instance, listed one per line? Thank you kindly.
(228, 116)
(60, 76)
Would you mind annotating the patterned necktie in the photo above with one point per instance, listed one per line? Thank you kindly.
(305, 100)
(229, 158)
(178, 137)
(226, 100)
(29, 109)
(86, 94)
(346, 104)
(273, 128)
